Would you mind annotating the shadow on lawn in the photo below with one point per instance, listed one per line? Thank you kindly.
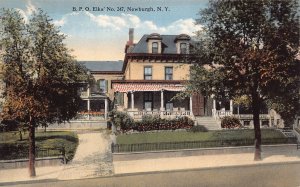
(65, 137)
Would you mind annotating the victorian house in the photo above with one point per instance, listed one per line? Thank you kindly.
(155, 70)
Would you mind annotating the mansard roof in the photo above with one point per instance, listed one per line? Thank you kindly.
(168, 43)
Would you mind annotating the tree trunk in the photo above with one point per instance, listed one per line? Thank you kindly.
(32, 149)
(257, 132)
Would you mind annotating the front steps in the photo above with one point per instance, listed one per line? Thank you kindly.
(209, 122)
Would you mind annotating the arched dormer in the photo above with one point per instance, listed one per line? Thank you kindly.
(182, 43)
(154, 43)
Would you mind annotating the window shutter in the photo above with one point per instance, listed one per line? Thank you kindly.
(106, 86)
(97, 86)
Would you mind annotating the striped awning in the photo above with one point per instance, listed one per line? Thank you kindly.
(128, 87)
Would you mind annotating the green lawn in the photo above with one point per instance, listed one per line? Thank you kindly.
(11, 147)
(181, 136)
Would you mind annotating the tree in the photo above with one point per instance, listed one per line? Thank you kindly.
(249, 48)
(41, 77)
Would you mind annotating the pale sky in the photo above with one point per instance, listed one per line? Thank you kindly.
(102, 34)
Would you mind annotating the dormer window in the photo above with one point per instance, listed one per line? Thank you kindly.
(154, 43)
(182, 43)
(183, 48)
(155, 47)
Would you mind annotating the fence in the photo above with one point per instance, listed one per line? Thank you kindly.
(119, 148)
(39, 153)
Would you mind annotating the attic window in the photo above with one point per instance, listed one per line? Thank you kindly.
(154, 47)
(183, 48)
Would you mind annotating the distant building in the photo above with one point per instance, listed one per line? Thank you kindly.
(97, 97)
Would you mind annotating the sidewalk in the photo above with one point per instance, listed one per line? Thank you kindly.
(203, 162)
(101, 165)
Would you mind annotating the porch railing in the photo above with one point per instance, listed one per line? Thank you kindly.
(221, 113)
(90, 116)
(165, 113)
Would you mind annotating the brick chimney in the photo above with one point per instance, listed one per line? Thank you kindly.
(129, 45)
(131, 35)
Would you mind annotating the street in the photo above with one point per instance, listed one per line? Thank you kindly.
(281, 175)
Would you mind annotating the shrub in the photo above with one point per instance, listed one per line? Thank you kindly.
(198, 128)
(121, 120)
(230, 122)
(150, 123)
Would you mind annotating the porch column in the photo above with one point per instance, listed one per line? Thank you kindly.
(214, 108)
(162, 100)
(231, 106)
(105, 108)
(191, 105)
(132, 100)
(88, 107)
(88, 90)
(125, 100)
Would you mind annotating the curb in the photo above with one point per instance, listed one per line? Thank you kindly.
(27, 182)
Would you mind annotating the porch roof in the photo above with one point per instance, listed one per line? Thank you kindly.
(128, 87)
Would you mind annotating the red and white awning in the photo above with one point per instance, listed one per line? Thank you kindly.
(128, 87)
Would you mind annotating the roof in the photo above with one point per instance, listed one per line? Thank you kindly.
(103, 66)
(127, 87)
(168, 44)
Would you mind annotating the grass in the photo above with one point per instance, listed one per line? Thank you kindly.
(181, 136)
(11, 147)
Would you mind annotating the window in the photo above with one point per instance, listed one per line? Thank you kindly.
(103, 88)
(148, 100)
(168, 73)
(147, 73)
(154, 47)
(169, 106)
(183, 48)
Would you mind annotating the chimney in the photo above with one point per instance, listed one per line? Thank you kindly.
(129, 45)
(131, 34)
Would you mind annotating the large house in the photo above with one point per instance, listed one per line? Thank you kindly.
(155, 70)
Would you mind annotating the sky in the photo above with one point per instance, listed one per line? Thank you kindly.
(98, 29)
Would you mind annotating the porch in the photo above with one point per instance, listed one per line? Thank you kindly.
(140, 99)
(94, 105)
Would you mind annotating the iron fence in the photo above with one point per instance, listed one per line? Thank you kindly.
(142, 147)
(9, 153)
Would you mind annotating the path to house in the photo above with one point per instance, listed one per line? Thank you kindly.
(92, 158)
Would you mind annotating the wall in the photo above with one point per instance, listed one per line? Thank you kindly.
(23, 163)
(108, 77)
(135, 70)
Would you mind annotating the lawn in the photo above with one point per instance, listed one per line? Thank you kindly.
(182, 136)
(49, 143)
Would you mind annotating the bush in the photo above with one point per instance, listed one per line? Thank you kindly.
(198, 128)
(230, 122)
(150, 123)
(121, 120)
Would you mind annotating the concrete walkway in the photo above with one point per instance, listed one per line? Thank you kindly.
(92, 158)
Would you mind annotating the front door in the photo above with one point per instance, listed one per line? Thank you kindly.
(198, 105)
